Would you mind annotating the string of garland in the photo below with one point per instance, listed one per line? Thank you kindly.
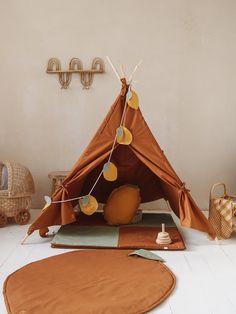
(88, 203)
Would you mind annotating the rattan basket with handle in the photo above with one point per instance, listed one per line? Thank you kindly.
(15, 201)
(222, 228)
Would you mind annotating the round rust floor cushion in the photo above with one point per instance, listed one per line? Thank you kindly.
(95, 281)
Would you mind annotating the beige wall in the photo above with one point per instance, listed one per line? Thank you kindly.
(186, 83)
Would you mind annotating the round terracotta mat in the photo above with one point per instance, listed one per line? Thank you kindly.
(94, 281)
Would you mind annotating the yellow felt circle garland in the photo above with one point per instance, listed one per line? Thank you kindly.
(88, 203)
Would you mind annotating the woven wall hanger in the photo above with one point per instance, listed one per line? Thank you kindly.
(75, 66)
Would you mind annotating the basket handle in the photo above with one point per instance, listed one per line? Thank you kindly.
(214, 186)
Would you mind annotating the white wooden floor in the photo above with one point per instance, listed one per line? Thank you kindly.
(206, 271)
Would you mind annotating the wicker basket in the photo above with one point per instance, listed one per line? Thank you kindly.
(222, 228)
(15, 201)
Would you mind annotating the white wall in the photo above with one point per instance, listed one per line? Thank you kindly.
(186, 83)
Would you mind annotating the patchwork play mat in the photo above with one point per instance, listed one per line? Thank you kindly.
(93, 232)
(91, 281)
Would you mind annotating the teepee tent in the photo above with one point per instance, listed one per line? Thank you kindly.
(142, 163)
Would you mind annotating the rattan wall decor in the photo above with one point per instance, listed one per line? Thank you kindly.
(75, 66)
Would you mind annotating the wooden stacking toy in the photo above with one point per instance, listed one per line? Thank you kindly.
(163, 237)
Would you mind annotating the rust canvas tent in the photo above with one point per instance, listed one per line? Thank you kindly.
(142, 163)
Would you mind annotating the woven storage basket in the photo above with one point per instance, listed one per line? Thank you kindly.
(222, 228)
(15, 201)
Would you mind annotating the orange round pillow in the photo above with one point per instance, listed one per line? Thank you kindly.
(122, 205)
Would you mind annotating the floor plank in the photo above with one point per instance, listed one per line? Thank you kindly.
(205, 272)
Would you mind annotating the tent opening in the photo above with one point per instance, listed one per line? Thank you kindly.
(131, 170)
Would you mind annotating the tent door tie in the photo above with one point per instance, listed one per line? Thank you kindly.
(183, 188)
(63, 186)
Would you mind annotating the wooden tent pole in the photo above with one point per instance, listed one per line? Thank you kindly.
(113, 68)
(23, 241)
(122, 71)
(134, 70)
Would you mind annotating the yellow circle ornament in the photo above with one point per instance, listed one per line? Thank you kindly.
(88, 204)
(110, 171)
(133, 101)
(124, 136)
